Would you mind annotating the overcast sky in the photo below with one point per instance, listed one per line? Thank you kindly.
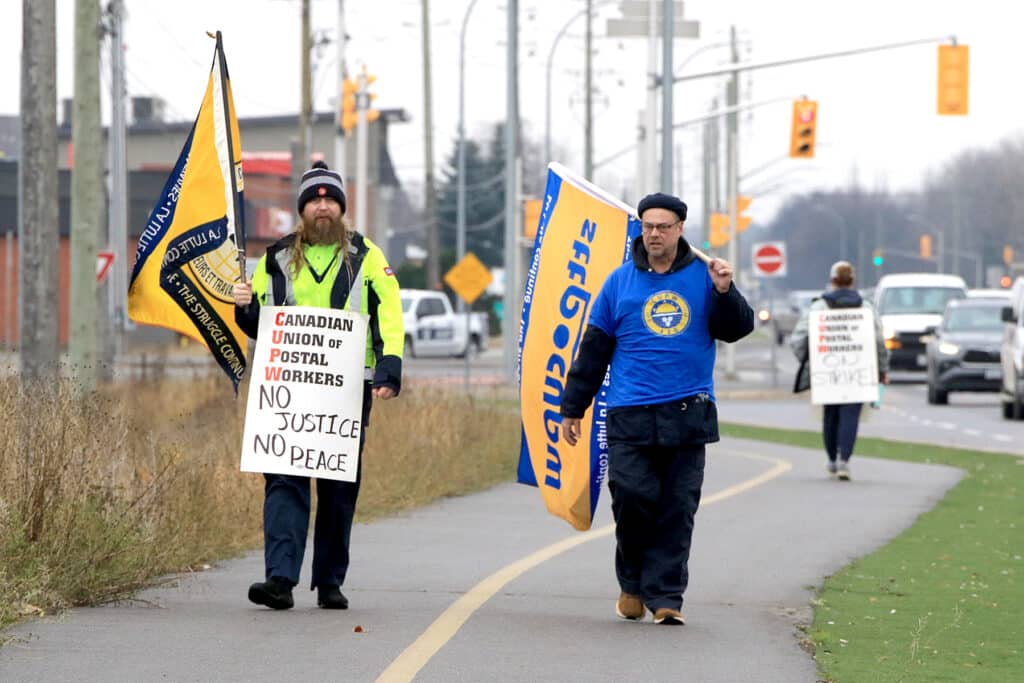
(877, 120)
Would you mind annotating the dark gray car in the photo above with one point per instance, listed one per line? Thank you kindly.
(963, 352)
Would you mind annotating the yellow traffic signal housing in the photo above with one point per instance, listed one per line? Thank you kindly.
(1007, 254)
(952, 91)
(926, 246)
(718, 235)
(742, 222)
(349, 117)
(804, 129)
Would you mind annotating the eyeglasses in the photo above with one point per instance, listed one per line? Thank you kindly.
(659, 227)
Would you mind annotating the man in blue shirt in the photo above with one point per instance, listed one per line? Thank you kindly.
(655, 323)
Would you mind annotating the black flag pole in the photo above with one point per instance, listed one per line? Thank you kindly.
(235, 171)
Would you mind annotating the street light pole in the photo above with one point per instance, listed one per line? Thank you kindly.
(460, 211)
(547, 81)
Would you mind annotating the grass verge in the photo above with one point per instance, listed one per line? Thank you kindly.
(102, 497)
(942, 601)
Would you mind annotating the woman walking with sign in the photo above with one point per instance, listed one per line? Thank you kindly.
(841, 420)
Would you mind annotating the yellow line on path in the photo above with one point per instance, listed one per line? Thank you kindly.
(405, 667)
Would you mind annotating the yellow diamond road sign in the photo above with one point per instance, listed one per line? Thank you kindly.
(469, 277)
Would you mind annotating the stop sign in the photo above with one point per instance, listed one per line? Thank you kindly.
(769, 259)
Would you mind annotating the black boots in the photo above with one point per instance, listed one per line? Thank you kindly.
(331, 597)
(275, 593)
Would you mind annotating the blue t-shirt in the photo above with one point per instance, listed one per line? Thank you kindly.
(663, 350)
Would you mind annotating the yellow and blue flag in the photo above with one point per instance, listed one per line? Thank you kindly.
(187, 258)
(582, 236)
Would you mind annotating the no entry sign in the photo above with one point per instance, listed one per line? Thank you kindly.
(769, 259)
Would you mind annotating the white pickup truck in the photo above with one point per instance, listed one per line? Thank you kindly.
(432, 328)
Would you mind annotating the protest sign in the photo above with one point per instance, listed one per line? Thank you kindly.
(843, 357)
(304, 411)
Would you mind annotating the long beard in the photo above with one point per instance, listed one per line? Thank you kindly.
(322, 231)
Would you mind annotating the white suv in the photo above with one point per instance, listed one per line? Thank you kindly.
(1011, 353)
(910, 306)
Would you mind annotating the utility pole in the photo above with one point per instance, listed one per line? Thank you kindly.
(339, 132)
(117, 220)
(429, 192)
(648, 180)
(38, 237)
(732, 164)
(362, 157)
(306, 107)
(709, 205)
(588, 94)
(667, 84)
(510, 320)
(86, 193)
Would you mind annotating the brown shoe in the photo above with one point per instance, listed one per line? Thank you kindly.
(630, 607)
(669, 617)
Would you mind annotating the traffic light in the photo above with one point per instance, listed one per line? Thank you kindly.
(719, 233)
(926, 246)
(878, 258)
(349, 117)
(1007, 254)
(720, 221)
(742, 222)
(803, 130)
(371, 114)
(952, 90)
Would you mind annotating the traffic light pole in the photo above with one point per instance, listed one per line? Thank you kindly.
(732, 165)
(737, 67)
(362, 157)
(339, 131)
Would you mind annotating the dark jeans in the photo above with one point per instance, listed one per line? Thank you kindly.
(655, 493)
(840, 429)
(286, 508)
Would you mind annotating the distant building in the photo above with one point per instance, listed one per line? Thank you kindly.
(153, 146)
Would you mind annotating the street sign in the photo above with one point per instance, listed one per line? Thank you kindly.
(104, 260)
(769, 259)
(469, 277)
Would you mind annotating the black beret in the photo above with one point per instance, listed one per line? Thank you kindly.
(660, 200)
(319, 181)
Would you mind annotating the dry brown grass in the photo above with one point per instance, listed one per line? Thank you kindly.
(100, 498)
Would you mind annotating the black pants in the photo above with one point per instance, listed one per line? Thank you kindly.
(655, 493)
(286, 508)
(840, 429)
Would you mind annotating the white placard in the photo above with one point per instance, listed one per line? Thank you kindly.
(305, 405)
(843, 356)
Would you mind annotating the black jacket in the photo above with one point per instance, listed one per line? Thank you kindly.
(731, 318)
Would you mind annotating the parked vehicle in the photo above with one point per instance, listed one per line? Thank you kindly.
(910, 305)
(963, 352)
(1011, 353)
(786, 315)
(432, 328)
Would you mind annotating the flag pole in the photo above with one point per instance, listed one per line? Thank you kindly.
(239, 222)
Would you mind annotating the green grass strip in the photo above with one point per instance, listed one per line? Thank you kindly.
(943, 601)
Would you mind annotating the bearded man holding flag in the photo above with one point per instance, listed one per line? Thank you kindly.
(326, 264)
